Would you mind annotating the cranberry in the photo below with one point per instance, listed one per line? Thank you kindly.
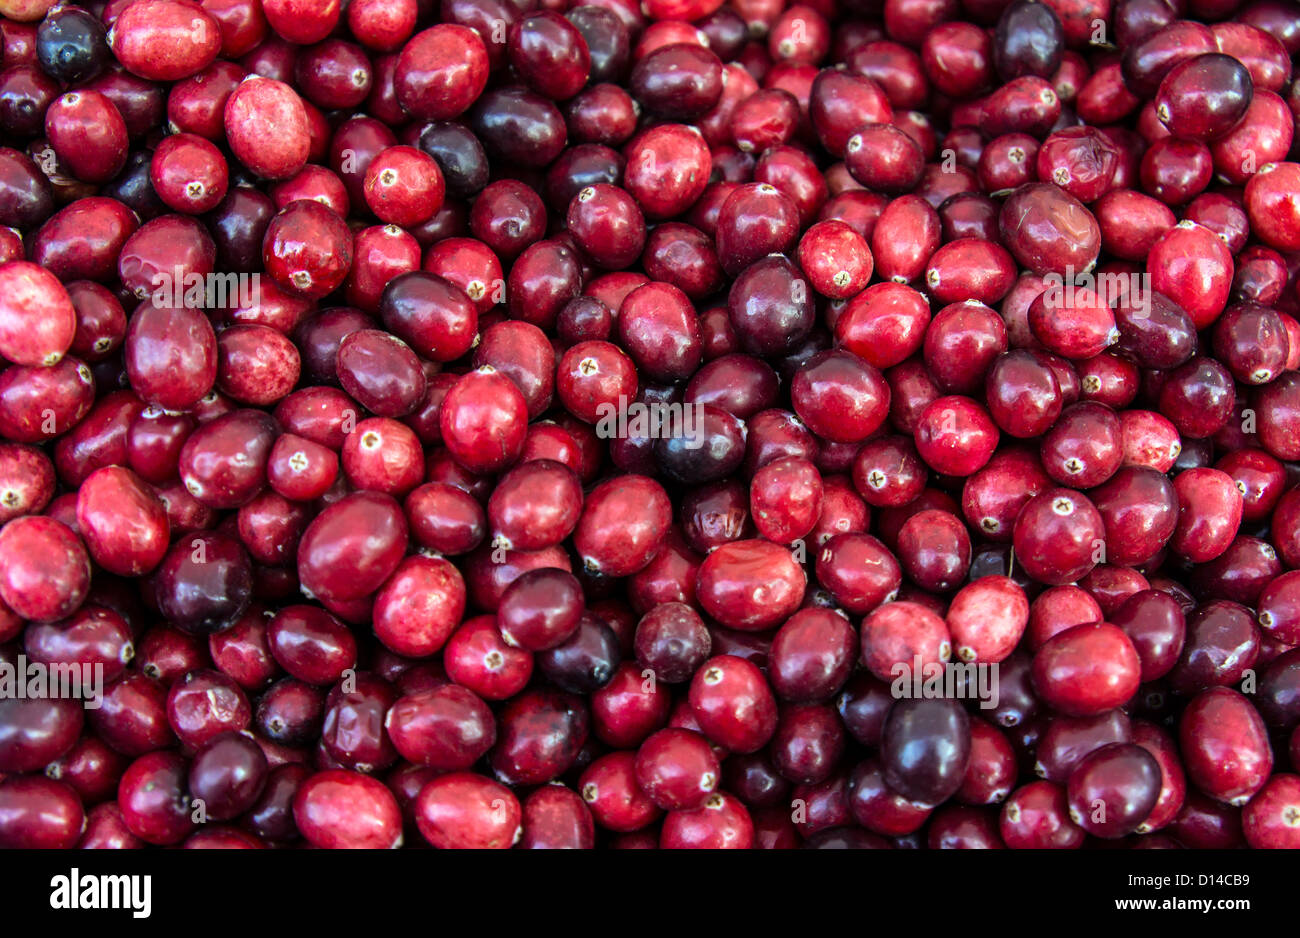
(482, 420)
(419, 606)
(750, 584)
(539, 736)
(1209, 513)
(1225, 748)
(447, 728)
(1087, 669)
(1036, 816)
(657, 326)
(610, 789)
(955, 435)
(44, 569)
(1113, 789)
(901, 634)
(308, 249)
(337, 809)
(733, 704)
(1048, 230)
(987, 618)
(1058, 536)
(154, 800)
(840, 397)
(270, 475)
(1269, 820)
(267, 126)
(227, 776)
(925, 749)
(671, 641)
(677, 769)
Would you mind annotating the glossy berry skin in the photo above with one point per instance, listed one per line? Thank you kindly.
(1272, 818)
(721, 823)
(352, 546)
(1036, 816)
(812, 655)
(609, 788)
(1057, 536)
(672, 641)
(39, 813)
(376, 547)
(308, 249)
(733, 704)
(404, 186)
(44, 569)
(925, 749)
(447, 728)
(441, 71)
(840, 397)
(339, 809)
(1203, 97)
(1113, 789)
(955, 436)
(228, 775)
(1225, 747)
(750, 585)
(987, 619)
(154, 799)
(124, 524)
(483, 420)
(37, 318)
(677, 769)
(898, 634)
(1086, 670)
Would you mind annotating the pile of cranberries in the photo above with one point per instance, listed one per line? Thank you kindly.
(490, 423)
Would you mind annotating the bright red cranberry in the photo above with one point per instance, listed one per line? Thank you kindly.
(1209, 513)
(340, 809)
(622, 525)
(419, 606)
(955, 435)
(1036, 816)
(1058, 536)
(677, 769)
(267, 127)
(840, 397)
(1087, 669)
(555, 817)
(721, 823)
(308, 249)
(1271, 820)
(122, 521)
(44, 569)
(447, 728)
(733, 704)
(750, 585)
(1225, 748)
(37, 318)
(901, 635)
